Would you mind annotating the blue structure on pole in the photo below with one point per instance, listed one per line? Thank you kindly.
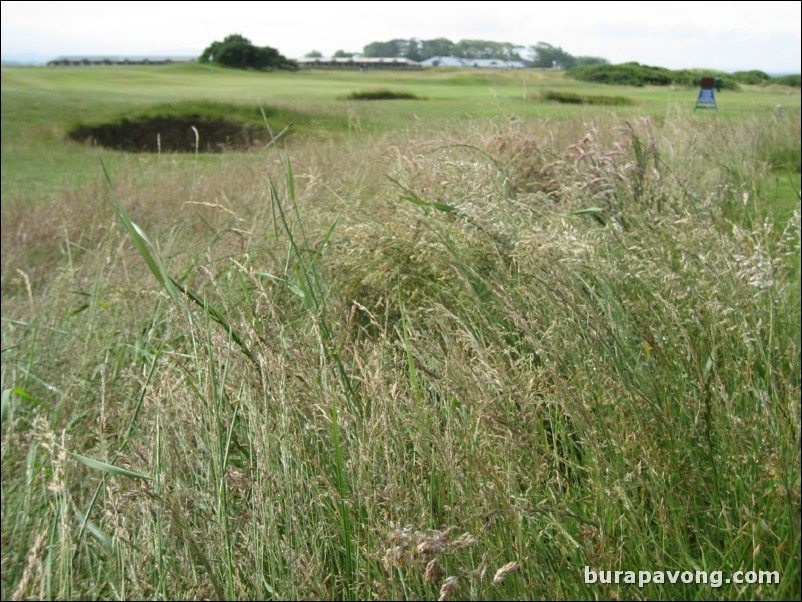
(707, 96)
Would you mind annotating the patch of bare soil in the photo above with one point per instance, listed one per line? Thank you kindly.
(172, 135)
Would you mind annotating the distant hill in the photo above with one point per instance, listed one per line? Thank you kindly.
(25, 60)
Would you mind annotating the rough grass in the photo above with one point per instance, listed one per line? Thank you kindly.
(460, 362)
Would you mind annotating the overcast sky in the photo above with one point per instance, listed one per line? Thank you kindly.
(728, 36)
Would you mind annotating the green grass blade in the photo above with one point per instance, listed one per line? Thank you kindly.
(142, 243)
(588, 211)
(107, 468)
(410, 196)
(295, 290)
(174, 289)
(99, 534)
(6, 405)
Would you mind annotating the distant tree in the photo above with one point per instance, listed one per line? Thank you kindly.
(391, 49)
(420, 50)
(412, 50)
(584, 61)
(239, 52)
(436, 47)
(547, 56)
(314, 54)
(342, 54)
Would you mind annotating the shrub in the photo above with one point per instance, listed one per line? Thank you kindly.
(752, 78)
(239, 52)
(692, 77)
(635, 74)
(788, 80)
(628, 74)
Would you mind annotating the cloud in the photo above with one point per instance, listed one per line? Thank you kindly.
(674, 34)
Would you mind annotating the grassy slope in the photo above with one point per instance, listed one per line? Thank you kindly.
(572, 334)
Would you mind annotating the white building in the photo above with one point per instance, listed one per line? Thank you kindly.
(359, 62)
(453, 61)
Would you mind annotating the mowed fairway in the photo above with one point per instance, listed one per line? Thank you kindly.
(470, 345)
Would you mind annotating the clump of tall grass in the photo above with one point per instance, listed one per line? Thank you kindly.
(533, 347)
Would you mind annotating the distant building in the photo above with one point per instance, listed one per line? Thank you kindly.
(359, 62)
(454, 61)
(78, 61)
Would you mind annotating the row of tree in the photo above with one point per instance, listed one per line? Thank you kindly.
(541, 55)
(238, 51)
(420, 50)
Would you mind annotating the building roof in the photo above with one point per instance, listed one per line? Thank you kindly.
(120, 60)
(357, 60)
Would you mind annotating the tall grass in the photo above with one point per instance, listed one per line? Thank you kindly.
(534, 347)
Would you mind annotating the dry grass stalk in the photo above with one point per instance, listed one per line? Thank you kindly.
(447, 589)
(464, 541)
(33, 565)
(434, 571)
(505, 571)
